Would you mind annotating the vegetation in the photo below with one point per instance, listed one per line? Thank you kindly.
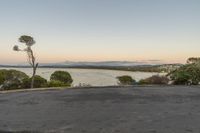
(155, 79)
(62, 76)
(56, 83)
(188, 74)
(29, 41)
(193, 60)
(12, 79)
(2, 76)
(2, 79)
(39, 82)
(126, 80)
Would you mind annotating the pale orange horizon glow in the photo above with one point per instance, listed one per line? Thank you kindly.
(55, 58)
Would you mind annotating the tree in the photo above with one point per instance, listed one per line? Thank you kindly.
(29, 42)
(193, 60)
(188, 74)
(62, 76)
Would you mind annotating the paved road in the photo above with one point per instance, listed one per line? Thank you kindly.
(158, 109)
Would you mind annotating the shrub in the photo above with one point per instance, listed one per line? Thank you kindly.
(13, 79)
(11, 84)
(187, 74)
(38, 82)
(126, 80)
(181, 78)
(143, 82)
(62, 76)
(2, 76)
(12, 74)
(155, 79)
(56, 83)
(2, 79)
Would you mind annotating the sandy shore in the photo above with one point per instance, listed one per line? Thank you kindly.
(156, 109)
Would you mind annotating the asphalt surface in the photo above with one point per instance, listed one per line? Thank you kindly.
(156, 109)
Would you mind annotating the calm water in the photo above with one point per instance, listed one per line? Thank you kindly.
(94, 77)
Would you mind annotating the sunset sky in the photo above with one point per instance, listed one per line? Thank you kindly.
(101, 30)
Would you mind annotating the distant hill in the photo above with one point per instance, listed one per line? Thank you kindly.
(99, 63)
(111, 65)
(102, 63)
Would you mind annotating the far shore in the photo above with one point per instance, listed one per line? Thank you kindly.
(137, 68)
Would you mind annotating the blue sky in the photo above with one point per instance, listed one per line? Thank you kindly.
(101, 30)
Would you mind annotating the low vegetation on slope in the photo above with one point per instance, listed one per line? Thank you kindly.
(13, 79)
(188, 74)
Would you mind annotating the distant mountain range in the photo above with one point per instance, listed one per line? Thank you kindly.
(95, 64)
(102, 63)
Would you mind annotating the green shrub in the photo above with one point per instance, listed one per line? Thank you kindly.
(125, 80)
(187, 74)
(56, 83)
(62, 76)
(2, 79)
(181, 78)
(155, 79)
(38, 82)
(2, 76)
(143, 82)
(12, 84)
(12, 74)
(13, 79)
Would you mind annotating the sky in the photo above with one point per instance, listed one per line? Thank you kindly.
(101, 30)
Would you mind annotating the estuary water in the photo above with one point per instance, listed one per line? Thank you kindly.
(92, 77)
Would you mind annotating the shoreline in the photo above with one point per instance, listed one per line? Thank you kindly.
(147, 68)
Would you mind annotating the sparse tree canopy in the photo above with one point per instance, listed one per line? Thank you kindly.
(193, 60)
(28, 40)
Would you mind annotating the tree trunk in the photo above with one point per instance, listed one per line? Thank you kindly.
(33, 76)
